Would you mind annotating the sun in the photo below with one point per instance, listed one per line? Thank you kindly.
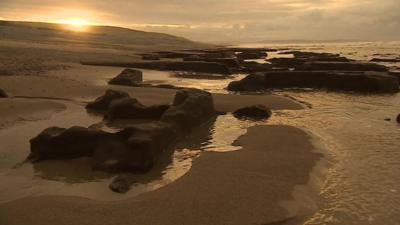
(75, 24)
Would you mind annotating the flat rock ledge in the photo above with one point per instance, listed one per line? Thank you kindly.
(332, 80)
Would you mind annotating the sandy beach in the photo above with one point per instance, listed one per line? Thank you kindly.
(253, 185)
(240, 187)
(265, 112)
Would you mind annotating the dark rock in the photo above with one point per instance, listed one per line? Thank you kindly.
(363, 82)
(252, 66)
(249, 50)
(134, 149)
(330, 59)
(398, 118)
(344, 66)
(396, 74)
(388, 119)
(253, 82)
(256, 112)
(3, 94)
(130, 108)
(121, 184)
(190, 108)
(229, 62)
(61, 143)
(385, 60)
(173, 55)
(287, 62)
(343, 81)
(128, 77)
(251, 55)
(150, 57)
(200, 67)
(167, 86)
(102, 103)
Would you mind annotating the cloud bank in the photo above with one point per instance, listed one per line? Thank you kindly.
(227, 20)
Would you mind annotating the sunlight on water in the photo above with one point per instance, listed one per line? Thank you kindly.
(362, 185)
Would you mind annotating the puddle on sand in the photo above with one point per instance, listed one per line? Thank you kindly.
(76, 178)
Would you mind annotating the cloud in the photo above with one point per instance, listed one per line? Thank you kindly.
(227, 20)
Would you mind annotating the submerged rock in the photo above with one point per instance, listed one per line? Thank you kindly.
(102, 103)
(130, 108)
(128, 77)
(3, 94)
(398, 118)
(256, 112)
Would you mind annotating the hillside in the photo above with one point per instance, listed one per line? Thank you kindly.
(32, 47)
(95, 35)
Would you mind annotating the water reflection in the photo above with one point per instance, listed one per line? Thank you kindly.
(361, 186)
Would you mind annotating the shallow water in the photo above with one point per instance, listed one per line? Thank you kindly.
(164, 77)
(362, 184)
(76, 178)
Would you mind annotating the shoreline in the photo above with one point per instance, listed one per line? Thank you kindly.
(238, 186)
(234, 195)
(306, 197)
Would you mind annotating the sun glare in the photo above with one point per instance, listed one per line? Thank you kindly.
(75, 24)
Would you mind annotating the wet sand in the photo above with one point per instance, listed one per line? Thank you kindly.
(84, 83)
(248, 186)
(239, 187)
(22, 110)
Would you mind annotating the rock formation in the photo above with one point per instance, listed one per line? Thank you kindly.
(130, 108)
(342, 81)
(134, 148)
(128, 77)
(102, 103)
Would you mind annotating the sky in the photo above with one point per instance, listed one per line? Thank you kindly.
(226, 21)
